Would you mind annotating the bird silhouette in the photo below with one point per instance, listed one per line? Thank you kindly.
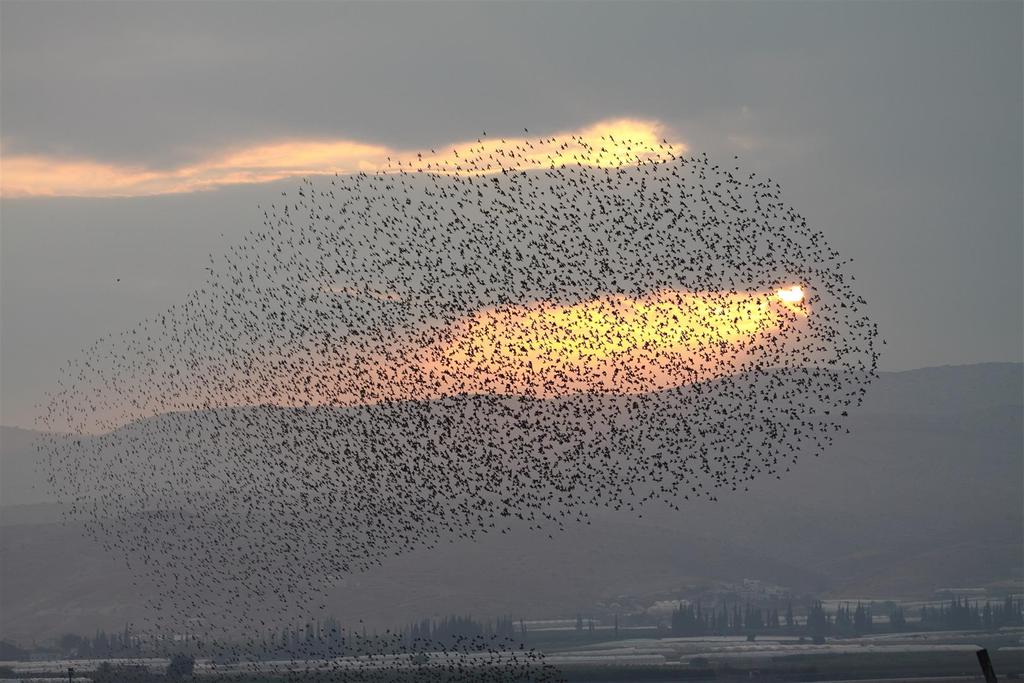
(523, 331)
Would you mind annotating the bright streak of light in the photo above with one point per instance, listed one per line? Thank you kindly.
(610, 143)
(792, 295)
(615, 344)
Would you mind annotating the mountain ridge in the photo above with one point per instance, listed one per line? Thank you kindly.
(926, 492)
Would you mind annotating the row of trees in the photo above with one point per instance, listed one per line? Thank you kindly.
(455, 627)
(327, 638)
(961, 614)
(845, 620)
(102, 645)
(694, 620)
(315, 639)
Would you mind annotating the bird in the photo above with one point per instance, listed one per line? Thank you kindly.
(527, 331)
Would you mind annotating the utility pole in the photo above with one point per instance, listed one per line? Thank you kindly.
(986, 666)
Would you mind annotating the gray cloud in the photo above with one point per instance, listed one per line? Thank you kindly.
(149, 82)
(896, 128)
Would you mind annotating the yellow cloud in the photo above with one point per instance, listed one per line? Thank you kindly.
(616, 344)
(607, 143)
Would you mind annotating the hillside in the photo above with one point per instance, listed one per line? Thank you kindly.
(925, 493)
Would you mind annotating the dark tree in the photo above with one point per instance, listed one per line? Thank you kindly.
(181, 666)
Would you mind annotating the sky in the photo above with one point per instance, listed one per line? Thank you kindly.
(137, 138)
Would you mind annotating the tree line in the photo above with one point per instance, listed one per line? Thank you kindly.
(694, 620)
(845, 620)
(327, 638)
(101, 645)
(960, 614)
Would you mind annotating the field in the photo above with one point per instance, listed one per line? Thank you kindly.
(923, 656)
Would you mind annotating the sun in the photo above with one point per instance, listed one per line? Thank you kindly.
(791, 295)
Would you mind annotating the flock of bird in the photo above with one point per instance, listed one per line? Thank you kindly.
(423, 354)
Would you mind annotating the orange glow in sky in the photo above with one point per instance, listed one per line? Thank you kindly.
(613, 143)
(617, 344)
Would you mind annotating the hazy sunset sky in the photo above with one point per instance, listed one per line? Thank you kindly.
(139, 137)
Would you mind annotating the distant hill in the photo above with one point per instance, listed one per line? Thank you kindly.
(22, 474)
(926, 492)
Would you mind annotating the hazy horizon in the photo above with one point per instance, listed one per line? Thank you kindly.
(512, 341)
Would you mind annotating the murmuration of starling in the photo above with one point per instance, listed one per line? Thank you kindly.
(428, 353)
